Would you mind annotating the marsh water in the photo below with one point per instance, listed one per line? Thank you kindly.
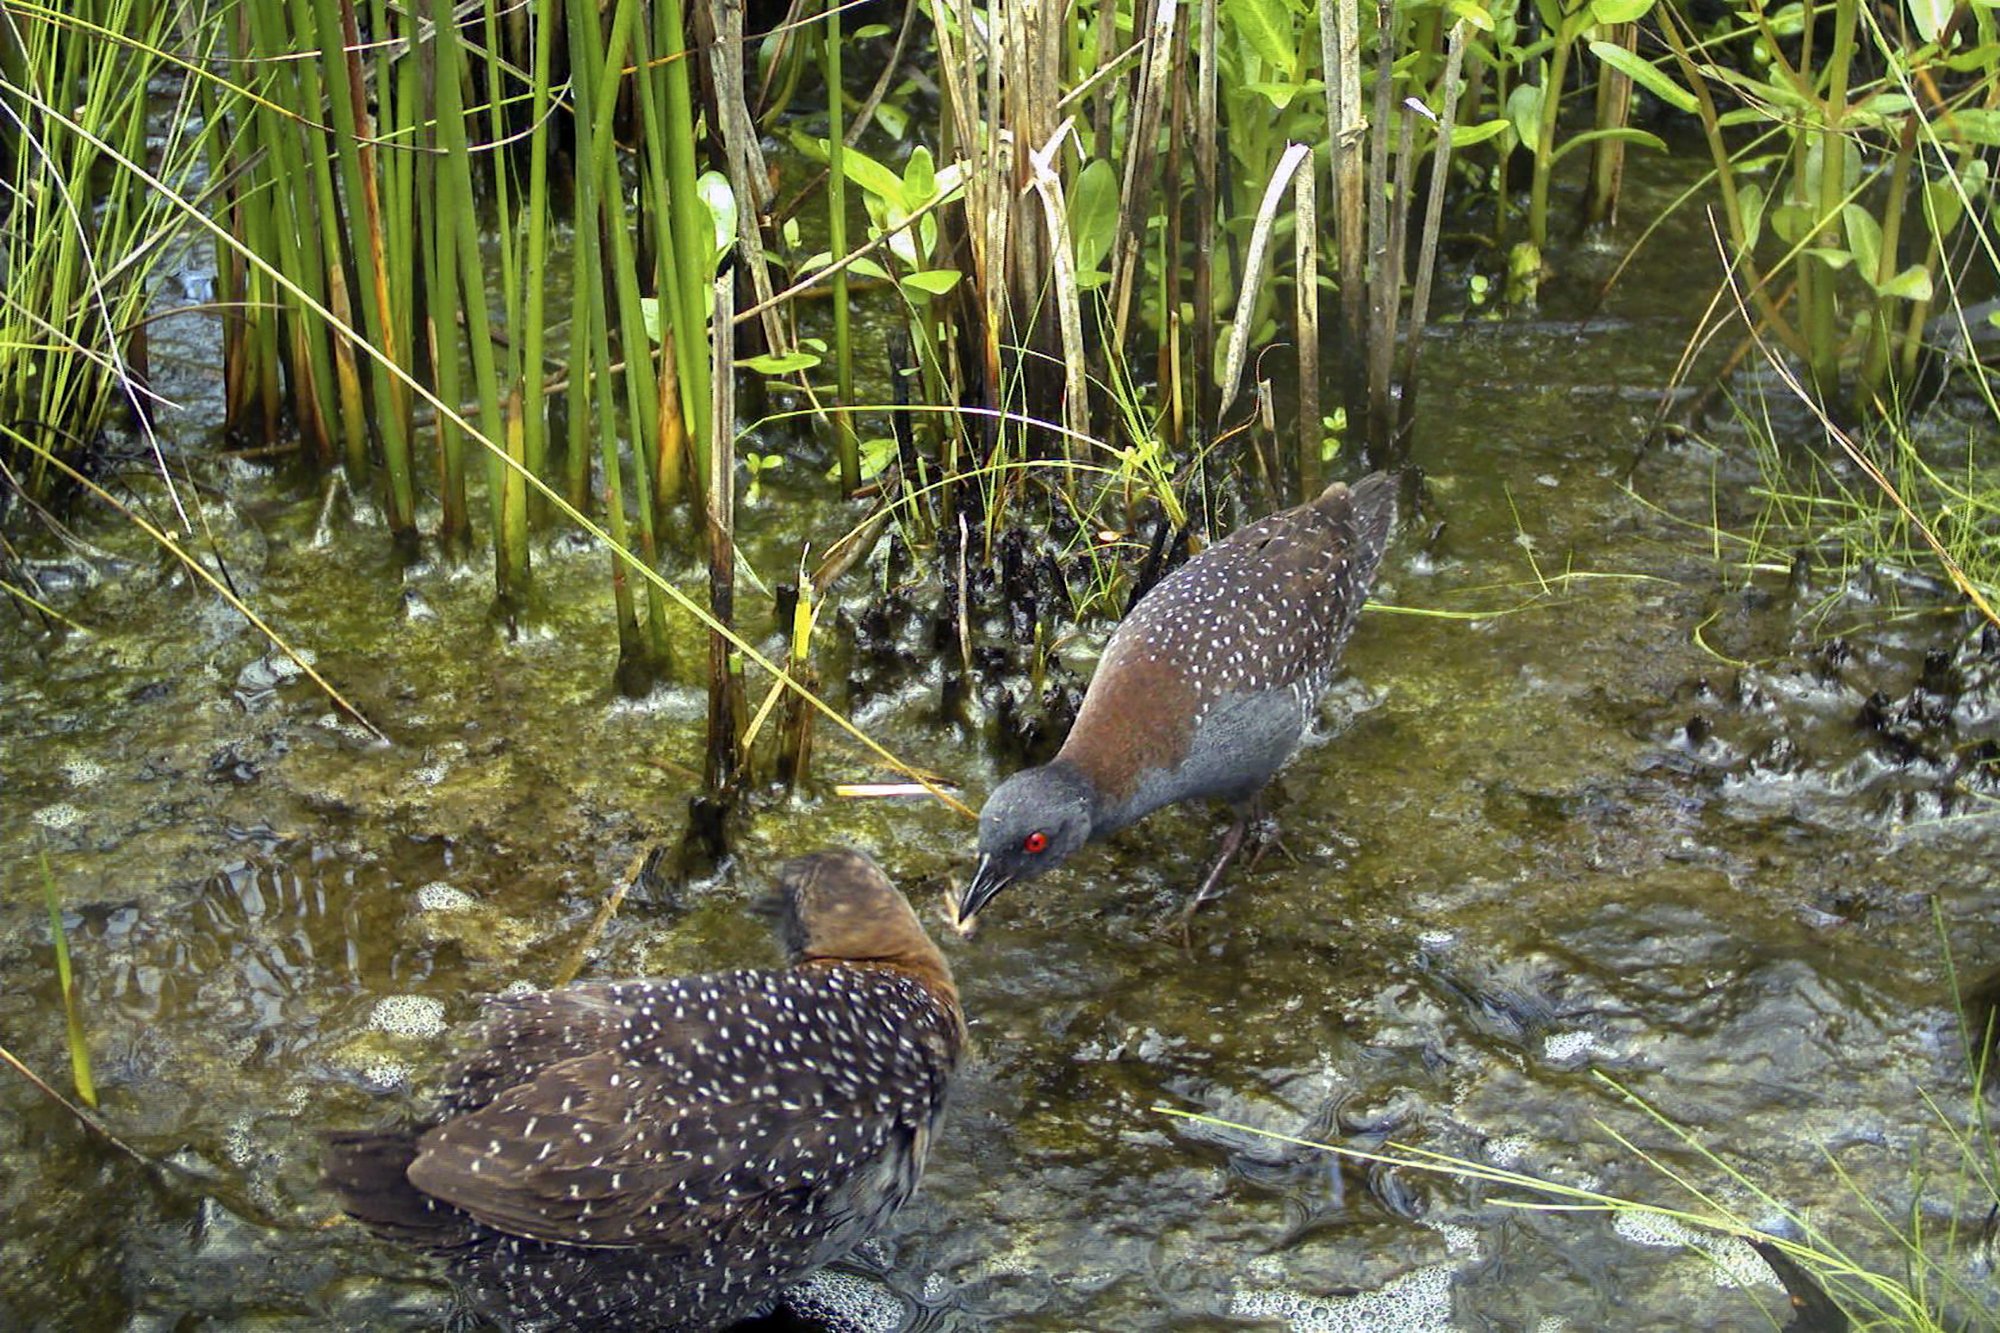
(1636, 828)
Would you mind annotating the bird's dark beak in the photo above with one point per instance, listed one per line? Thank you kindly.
(987, 880)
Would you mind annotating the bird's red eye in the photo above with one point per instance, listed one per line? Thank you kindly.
(1036, 842)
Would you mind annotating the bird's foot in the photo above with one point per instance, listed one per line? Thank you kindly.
(1212, 883)
(1264, 838)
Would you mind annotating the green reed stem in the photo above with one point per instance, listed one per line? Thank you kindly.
(846, 447)
(594, 88)
(687, 228)
(530, 322)
(354, 152)
(437, 240)
(79, 1047)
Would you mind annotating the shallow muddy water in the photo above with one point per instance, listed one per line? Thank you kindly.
(1634, 828)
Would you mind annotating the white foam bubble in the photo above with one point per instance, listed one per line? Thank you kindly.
(1567, 1045)
(408, 1015)
(386, 1075)
(82, 772)
(846, 1303)
(1417, 1302)
(438, 896)
(1735, 1263)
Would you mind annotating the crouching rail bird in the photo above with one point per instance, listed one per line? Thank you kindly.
(1203, 691)
(670, 1154)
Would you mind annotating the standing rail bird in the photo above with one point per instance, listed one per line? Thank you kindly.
(1204, 690)
(669, 1154)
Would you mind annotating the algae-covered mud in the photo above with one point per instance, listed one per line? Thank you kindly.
(1622, 816)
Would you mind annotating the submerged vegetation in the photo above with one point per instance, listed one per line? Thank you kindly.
(1034, 293)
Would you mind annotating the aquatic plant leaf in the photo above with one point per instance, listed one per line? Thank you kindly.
(920, 182)
(1646, 74)
(1093, 213)
(1912, 284)
(1864, 239)
(1524, 111)
(933, 281)
(1619, 11)
(1267, 26)
(1475, 14)
(872, 176)
(790, 363)
(1750, 201)
(1943, 206)
(1464, 136)
(1930, 16)
(1643, 138)
(720, 201)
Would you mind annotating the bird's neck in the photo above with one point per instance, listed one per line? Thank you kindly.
(926, 967)
(1113, 800)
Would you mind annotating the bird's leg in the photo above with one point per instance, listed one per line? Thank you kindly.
(1211, 884)
(1251, 824)
(1263, 830)
(1232, 843)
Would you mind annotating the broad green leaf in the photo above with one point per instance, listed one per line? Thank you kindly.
(1524, 112)
(789, 363)
(1828, 255)
(1267, 26)
(1974, 57)
(1930, 17)
(1619, 11)
(1780, 94)
(1093, 213)
(1640, 137)
(1091, 281)
(649, 315)
(1912, 284)
(1472, 12)
(1864, 239)
(868, 268)
(1750, 201)
(876, 455)
(720, 200)
(869, 174)
(1646, 74)
(1279, 95)
(1464, 136)
(1976, 125)
(1791, 222)
(919, 179)
(1942, 207)
(1883, 105)
(933, 281)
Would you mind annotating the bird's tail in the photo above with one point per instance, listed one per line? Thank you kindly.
(1367, 510)
(1374, 499)
(368, 1171)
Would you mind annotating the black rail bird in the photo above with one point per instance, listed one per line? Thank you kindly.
(1204, 690)
(669, 1154)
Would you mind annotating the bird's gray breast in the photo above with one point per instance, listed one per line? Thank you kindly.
(1241, 739)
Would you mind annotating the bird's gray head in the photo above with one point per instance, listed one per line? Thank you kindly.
(1032, 823)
